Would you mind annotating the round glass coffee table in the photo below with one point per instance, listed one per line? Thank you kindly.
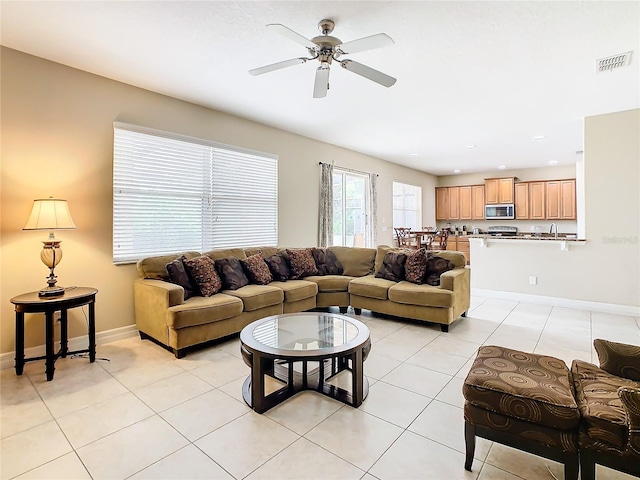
(304, 351)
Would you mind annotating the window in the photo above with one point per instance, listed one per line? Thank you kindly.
(407, 203)
(350, 208)
(173, 194)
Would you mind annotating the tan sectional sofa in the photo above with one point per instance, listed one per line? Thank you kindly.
(163, 315)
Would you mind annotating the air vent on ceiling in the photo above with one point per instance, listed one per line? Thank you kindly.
(613, 62)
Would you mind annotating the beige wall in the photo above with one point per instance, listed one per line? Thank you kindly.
(607, 268)
(57, 139)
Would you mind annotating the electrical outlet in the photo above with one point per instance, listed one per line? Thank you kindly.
(533, 280)
(57, 316)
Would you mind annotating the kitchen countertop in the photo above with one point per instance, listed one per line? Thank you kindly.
(562, 237)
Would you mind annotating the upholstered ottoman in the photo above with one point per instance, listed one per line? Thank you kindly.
(525, 401)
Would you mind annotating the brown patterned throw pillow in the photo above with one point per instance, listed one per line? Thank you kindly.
(326, 262)
(178, 274)
(302, 263)
(392, 266)
(231, 273)
(257, 270)
(203, 271)
(436, 266)
(279, 266)
(415, 267)
(619, 359)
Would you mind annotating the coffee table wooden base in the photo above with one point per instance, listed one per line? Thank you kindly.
(295, 382)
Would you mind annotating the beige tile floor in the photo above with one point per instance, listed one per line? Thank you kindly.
(142, 414)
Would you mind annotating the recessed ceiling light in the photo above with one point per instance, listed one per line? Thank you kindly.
(457, 170)
(537, 138)
(502, 167)
(413, 154)
(553, 162)
(470, 146)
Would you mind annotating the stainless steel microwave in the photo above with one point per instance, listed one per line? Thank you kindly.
(499, 212)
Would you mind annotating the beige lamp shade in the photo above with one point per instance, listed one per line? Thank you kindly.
(50, 214)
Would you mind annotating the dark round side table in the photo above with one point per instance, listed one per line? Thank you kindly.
(32, 303)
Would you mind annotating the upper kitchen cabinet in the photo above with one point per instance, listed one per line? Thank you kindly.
(522, 201)
(499, 191)
(561, 199)
(477, 202)
(537, 204)
(442, 203)
(465, 202)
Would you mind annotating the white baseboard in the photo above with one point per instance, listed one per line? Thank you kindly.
(630, 310)
(7, 360)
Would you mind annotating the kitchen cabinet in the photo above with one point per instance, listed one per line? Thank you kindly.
(537, 204)
(442, 203)
(460, 243)
(477, 202)
(561, 199)
(465, 200)
(454, 203)
(522, 200)
(499, 191)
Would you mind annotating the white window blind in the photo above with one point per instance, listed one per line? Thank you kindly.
(407, 203)
(173, 193)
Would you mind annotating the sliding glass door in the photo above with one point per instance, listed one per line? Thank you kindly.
(350, 208)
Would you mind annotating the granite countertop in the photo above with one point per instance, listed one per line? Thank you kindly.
(562, 237)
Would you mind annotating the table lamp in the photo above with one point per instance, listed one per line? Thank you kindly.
(50, 214)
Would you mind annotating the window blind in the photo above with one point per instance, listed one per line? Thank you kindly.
(173, 193)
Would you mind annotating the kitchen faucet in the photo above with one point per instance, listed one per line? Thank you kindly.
(554, 229)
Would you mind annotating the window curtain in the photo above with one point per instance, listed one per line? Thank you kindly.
(325, 227)
(373, 212)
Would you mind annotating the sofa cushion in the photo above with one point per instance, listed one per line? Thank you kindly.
(381, 251)
(203, 271)
(178, 274)
(226, 253)
(436, 266)
(295, 290)
(257, 270)
(203, 310)
(527, 386)
(301, 263)
(326, 262)
(415, 267)
(255, 297)
(231, 273)
(457, 258)
(156, 267)
(279, 265)
(371, 287)
(264, 251)
(392, 266)
(424, 295)
(619, 358)
(603, 416)
(331, 283)
(355, 261)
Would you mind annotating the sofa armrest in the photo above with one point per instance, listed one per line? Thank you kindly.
(456, 280)
(152, 299)
(631, 402)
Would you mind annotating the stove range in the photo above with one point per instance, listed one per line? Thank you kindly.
(503, 231)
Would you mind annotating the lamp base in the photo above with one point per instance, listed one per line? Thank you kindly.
(51, 291)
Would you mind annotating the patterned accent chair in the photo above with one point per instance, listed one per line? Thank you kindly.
(609, 401)
(522, 400)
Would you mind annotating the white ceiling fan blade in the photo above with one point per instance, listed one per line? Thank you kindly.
(378, 40)
(277, 66)
(290, 34)
(321, 86)
(368, 72)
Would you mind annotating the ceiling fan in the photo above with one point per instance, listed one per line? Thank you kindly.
(326, 49)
